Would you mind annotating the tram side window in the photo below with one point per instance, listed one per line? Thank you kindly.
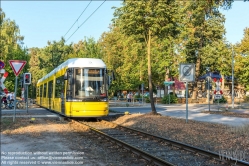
(37, 91)
(45, 90)
(50, 89)
(59, 86)
(41, 91)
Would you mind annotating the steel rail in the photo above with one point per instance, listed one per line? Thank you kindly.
(192, 148)
(150, 158)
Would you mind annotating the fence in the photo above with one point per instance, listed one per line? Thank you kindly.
(134, 101)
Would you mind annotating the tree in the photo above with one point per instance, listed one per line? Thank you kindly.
(122, 54)
(88, 48)
(147, 19)
(242, 60)
(203, 26)
(11, 47)
(54, 54)
(35, 70)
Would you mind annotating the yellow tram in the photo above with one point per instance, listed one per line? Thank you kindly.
(76, 88)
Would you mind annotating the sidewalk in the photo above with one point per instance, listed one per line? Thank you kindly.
(31, 112)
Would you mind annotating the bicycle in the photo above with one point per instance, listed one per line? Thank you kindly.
(9, 104)
(20, 104)
(4, 105)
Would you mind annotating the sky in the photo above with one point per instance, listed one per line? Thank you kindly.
(43, 21)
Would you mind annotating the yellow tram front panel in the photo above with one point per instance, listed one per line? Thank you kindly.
(86, 109)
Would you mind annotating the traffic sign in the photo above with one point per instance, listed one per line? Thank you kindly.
(217, 96)
(187, 72)
(2, 71)
(1, 82)
(2, 64)
(17, 65)
(217, 90)
(168, 83)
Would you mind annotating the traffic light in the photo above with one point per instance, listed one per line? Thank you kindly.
(27, 78)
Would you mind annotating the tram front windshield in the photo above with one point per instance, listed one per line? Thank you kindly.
(90, 83)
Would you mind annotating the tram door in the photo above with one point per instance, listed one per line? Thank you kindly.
(50, 91)
(40, 95)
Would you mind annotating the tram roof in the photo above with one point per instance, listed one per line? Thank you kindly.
(77, 62)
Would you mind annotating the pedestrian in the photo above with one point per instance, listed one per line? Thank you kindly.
(129, 96)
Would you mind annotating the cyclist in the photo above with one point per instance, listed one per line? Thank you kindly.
(12, 96)
(4, 99)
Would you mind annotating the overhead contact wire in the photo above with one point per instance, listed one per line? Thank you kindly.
(78, 17)
(86, 20)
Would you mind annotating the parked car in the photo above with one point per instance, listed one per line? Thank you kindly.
(147, 94)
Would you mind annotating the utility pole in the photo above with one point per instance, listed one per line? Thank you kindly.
(1, 91)
(208, 77)
(232, 78)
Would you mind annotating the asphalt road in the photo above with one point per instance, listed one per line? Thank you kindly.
(194, 113)
(177, 111)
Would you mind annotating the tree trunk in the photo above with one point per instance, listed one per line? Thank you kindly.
(222, 83)
(153, 108)
(166, 79)
(197, 73)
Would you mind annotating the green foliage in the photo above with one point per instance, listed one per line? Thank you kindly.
(137, 98)
(203, 26)
(11, 48)
(123, 55)
(147, 99)
(148, 21)
(180, 31)
(242, 60)
(173, 99)
(53, 55)
(222, 100)
(246, 99)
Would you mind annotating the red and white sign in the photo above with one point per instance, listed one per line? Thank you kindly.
(1, 82)
(217, 90)
(17, 65)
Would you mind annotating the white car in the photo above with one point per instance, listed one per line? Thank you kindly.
(147, 94)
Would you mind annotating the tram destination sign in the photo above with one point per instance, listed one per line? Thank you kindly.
(187, 72)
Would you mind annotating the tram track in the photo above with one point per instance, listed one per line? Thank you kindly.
(157, 150)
